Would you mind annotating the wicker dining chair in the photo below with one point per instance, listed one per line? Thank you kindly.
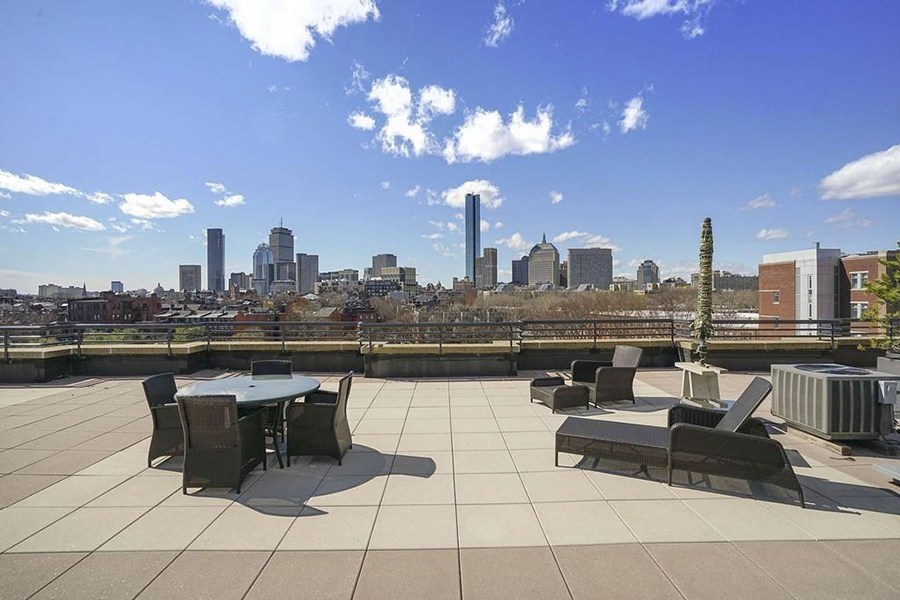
(168, 437)
(272, 421)
(220, 448)
(318, 425)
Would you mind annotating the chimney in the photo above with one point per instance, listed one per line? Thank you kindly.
(816, 245)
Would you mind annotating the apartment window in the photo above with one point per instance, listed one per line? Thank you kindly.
(776, 297)
(857, 309)
(859, 280)
(809, 282)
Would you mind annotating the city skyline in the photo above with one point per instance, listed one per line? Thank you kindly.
(615, 125)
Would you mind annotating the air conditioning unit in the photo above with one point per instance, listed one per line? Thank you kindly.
(834, 402)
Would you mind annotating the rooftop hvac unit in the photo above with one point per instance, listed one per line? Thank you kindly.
(835, 402)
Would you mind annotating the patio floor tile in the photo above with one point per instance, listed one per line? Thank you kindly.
(687, 565)
(385, 443)
(427, 426)
(811, 570)
(529, 440)
(415, 527)
(108, 575)
(489, 488)
(16, 524)
(73, 491)
(331, 528)
(521, 424)
(664, 521)
(244, 528)
(164, 528)
(413, 442)
(483, 461)
(541, 459)
(17, 487)
(559, 486)
(578, 523)
(21, 575)
(620, 487)
(619, 570)
(876, 557)
(464, 425)
(349, 490)
(413, 489)
(83, 530)
(356, 462)
(15, 459)
(495, 574)
(323, 575)
(498, 525)
(58, 440)
(141, 490)
(220, 575)
(67, 462)
(832, 524)
(404, 575)
(745, 519)
(423, 462)
(478, 441)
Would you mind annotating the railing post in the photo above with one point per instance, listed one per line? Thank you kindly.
(6, 345)
(170, 333)
(672, 331)
(281, 330)
(79, 338)
(596, 326)
(208, 332)
(440, 339)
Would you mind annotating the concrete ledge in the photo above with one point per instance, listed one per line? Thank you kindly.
(276, 346)
(38, 353)
(434, 350)
(600, 344)
(182, 349)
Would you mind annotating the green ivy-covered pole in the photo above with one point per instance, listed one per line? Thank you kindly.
(702, 325)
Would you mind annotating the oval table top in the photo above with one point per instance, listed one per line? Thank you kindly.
(255, 390)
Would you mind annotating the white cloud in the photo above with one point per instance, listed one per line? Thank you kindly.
(433, 236)
(64, 219)
(771, 234)
(412, 193)
(584, 101)
(361, 120)
(5, 195)
(405, 130)
(501, 27)
(33, 186)
(216, 188)
(490, 194)
(358, 78)
(847, 219)
(795, 191)
(385, 185)
(143, 224)
(443, 250)
(498, 225)
(113, 246)
(633, 115)
(583, 238)
(694, 11)
(764, 201)
(515, 242)
(452, 227)
(555, 197)
(157, 206)
(875, 175)
(230, 201)
(288, 29)
(485, 225)
(484, 136)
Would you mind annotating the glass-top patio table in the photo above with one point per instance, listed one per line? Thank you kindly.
(255, 391)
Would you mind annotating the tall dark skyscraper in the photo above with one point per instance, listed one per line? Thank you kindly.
(473, 233)
(215, 260)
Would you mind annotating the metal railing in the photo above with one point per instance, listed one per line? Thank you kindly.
(368, 334)
(440, 333)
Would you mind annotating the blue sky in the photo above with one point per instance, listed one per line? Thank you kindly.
(126, 129)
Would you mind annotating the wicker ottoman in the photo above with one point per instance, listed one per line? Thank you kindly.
(554, 393)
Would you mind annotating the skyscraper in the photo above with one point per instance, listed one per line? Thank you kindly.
(520, 271)
(263, 268)
(307, 273)
(647, 272)
(281, 241)
(189, 279)
(543, 264)
(116, 287)
(215, 260)
(473, 233)
(380, 261)
(489, 268)
(590, 266)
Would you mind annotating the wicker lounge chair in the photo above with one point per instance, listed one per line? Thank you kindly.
(219, 448)
(609, 381)
(554, 393)
(697, 440)
(168, 437)
(318, 425)
(272, 421)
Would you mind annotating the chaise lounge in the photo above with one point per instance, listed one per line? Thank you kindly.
(697, 440)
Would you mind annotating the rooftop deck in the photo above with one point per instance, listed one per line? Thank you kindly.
(449, 491)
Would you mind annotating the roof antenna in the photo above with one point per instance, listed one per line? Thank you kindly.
(545, 239)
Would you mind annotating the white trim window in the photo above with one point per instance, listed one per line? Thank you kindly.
(857, 309)
(858, 280)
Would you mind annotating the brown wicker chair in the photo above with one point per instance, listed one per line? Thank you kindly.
(168, 437)
(318, 425)
(609, 381)
(697, 440)
(272, 421)
(219, 448)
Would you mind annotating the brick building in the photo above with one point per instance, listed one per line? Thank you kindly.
(114, 308)
(860, 269)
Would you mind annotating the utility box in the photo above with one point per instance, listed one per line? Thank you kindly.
(835, 402)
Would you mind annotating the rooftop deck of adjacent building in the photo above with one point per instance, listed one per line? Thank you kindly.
(449, 491)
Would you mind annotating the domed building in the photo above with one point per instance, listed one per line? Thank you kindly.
(543, 264)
